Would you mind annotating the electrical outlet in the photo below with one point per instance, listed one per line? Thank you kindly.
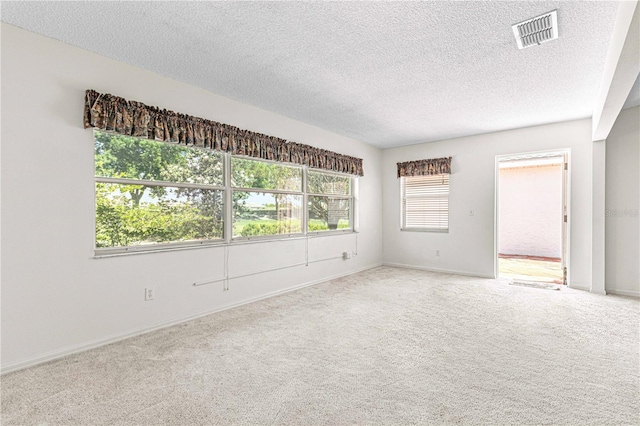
(149, 293)
(437, 252)
(346, 255)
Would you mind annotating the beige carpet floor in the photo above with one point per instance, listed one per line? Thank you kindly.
(387, 346)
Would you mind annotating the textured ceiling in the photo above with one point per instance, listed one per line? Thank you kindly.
(386, 73)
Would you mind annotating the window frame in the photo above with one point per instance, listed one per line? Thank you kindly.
(233, 189)
(144, 248)
(349, 197)
(403, 212)
(227, 190)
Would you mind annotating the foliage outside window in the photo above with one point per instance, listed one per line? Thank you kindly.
(425, 203)
(150, 193)
(329, 201)
(267, 198)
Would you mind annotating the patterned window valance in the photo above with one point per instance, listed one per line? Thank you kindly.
(112, 113)
(433, 166)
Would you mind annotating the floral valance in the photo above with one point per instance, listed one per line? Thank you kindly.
(112, 113)
(434, 166)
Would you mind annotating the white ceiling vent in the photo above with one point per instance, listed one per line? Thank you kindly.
(536, 30)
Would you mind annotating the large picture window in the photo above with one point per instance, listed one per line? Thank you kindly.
(152, 194)
(425, 203)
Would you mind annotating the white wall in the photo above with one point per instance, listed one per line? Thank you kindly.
(530, 219)
(58, 298)
(622, 221)
(468, 248)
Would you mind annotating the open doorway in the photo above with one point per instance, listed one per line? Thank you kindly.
(532, 215)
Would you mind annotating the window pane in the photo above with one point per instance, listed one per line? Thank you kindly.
(259, 213)
(118, 156)
(261, 175)
(129, 215)
(328, 213)
(324, 183)
(425, 202)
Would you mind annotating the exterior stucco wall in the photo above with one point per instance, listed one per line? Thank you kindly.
(531, 211)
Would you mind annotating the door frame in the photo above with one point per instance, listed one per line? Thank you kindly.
(566, 210)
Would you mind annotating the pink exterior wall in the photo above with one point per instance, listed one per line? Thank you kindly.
(531, 210)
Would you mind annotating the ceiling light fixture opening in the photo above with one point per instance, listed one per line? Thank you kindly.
(535, 31)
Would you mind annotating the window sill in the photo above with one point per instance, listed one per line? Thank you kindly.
(313, 234)
(265, 238)
(156, 248)
(437, 231)
(162, 248)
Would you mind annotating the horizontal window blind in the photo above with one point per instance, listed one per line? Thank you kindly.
(425, 202)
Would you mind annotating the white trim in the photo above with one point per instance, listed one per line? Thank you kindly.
(443, 271)
(162, 183)
(631, 293)
(580, 288)
(265, 191)
(227, 215)
(83, 347)
(159, 248)
(341, 231)
(446, 231)
(104, 252)
(598, 219)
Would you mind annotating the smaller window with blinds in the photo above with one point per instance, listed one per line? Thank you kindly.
(425, 203)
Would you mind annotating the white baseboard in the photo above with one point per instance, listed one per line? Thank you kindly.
(623, 292)
(444, 271)
(83, 347)
(577, 287)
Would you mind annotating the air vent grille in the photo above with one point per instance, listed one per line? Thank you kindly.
(537, 30)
